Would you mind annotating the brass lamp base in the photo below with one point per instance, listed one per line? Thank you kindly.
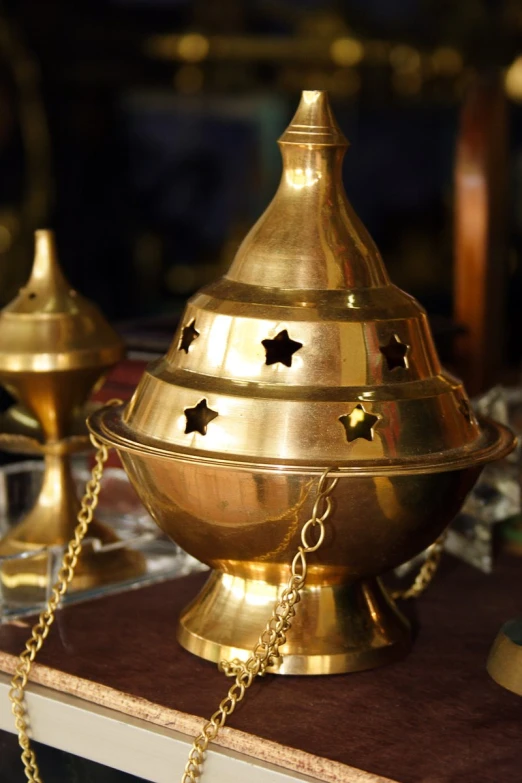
(27, 575)
(343, 628)
(505, 659)
(27, 580)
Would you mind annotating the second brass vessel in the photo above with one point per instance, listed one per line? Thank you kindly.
(55, 346)
(303, 356)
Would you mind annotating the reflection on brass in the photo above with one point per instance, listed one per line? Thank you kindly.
(465, 409)
(505, 658)
(236, 492)
(54, 346)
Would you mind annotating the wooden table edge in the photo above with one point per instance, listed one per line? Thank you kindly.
(257, 748)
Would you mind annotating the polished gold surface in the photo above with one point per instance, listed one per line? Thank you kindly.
(266, 652)
(54, 346)
(375, 633)
(505, 658)
(302, 357)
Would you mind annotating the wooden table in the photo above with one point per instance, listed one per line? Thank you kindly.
(113, 685)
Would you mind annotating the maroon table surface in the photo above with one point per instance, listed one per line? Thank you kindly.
(434, 717)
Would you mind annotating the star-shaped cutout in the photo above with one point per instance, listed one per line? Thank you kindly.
(281, 349)
(188, 335)
(359, 424)
(395, 352)
(465, 409)
(199, 417)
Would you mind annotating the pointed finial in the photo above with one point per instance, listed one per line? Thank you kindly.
(54, 344)
(309, 236)
(314, 123)
(46, 275)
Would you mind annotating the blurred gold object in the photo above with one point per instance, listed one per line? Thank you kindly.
(54, 346)
(505, 660)
(513, 80)
(302, 357)
(23, 118)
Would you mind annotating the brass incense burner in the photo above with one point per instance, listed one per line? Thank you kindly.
(303, 356)
(54, 347)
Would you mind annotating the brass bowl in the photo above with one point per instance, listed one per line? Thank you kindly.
(229, 517)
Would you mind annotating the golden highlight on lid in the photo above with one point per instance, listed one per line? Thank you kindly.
(54, 344)
(310, 238)
(49, 326)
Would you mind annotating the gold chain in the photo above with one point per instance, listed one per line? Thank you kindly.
(264, 654)
(266, 651)
(426, 572)
(40, 631)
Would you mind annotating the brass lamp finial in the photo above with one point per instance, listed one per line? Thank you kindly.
(310, 237)
(47, 281)
(314, 123)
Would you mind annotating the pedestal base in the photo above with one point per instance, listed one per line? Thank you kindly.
(337, 629)
(29, 550)
(26, 580)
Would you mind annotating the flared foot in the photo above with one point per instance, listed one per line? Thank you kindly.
(337, 628)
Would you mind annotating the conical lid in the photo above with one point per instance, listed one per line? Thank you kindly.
(49, 327)
(304, 353)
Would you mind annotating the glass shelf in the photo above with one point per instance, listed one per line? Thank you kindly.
(146, 554)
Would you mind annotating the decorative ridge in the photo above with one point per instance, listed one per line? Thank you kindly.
(314, 123)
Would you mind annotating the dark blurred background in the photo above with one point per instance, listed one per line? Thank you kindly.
(144, 132)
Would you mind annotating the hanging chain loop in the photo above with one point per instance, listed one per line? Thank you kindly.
(41, 629)
(266, 651)
(426, 572)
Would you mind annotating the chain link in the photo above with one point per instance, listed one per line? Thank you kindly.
(266, 651)
(426, 572)
(40, 631)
